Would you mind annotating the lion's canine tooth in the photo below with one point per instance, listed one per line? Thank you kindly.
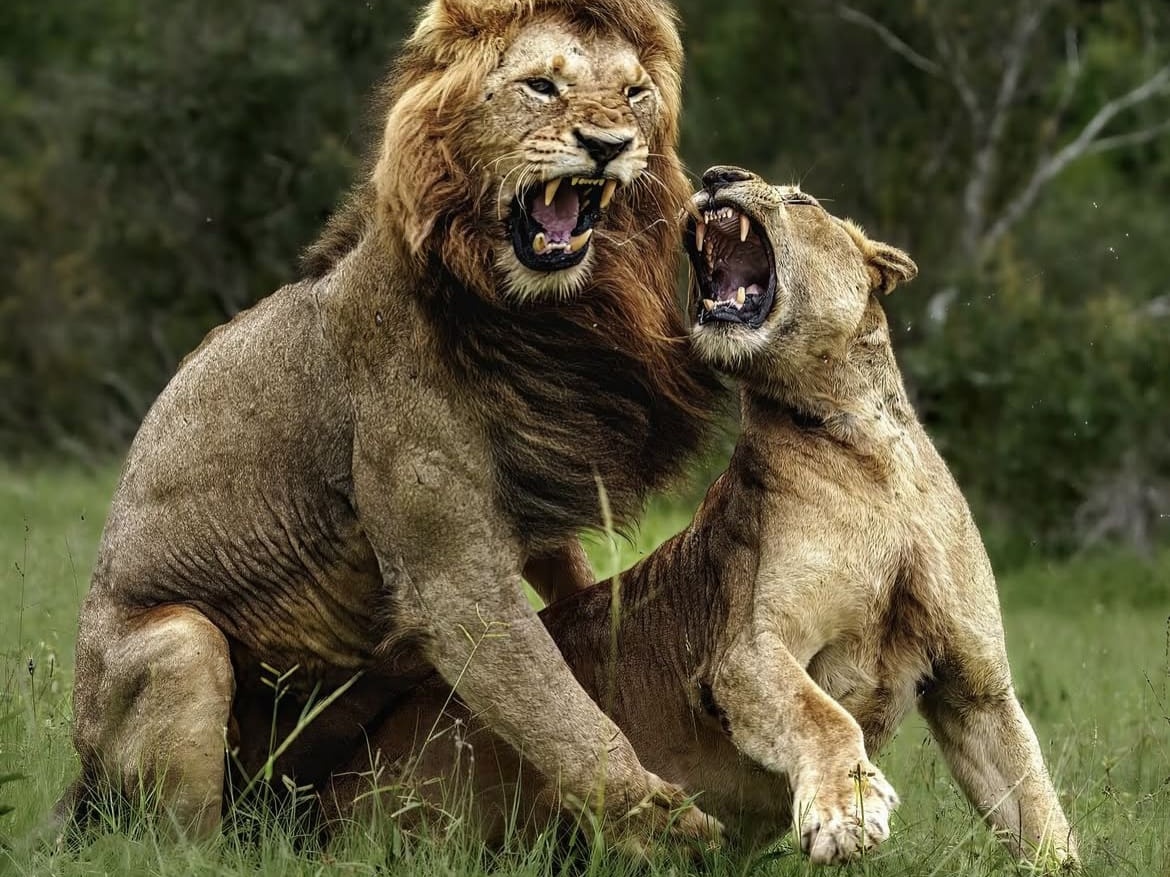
(744, 227)
(540, 242)
(607, 193)
(700, 233)
(708, 304)
(740, 296)
(576, 242)
(550, 190)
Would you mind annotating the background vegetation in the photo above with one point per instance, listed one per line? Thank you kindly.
(162, 165)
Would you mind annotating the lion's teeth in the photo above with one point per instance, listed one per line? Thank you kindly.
(576, 242)
(708, 304)
(740, 296)
(550, 190)
(744, 227)
(700, 233)
(540, 242)
(607, 193)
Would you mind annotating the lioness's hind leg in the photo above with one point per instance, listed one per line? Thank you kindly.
(152, 701)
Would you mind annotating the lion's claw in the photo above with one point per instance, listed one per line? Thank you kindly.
(838, 824)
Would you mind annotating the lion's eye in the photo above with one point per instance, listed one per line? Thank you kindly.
(543, 87)
(633, 92)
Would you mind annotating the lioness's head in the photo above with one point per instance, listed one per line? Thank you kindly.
(523, 133)
(777, 278)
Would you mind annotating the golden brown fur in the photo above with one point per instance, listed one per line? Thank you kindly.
(347, 481)
(831, 580)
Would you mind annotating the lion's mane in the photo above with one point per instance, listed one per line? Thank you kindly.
(619, 344)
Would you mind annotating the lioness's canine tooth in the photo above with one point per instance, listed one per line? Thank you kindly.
(540, 242)
(700, 233)
(740, 296)
(576, 242)
(550, 190)
(744, 226)
(708, 304)
(607, 193)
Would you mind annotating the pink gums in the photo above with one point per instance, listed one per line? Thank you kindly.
(559, 218)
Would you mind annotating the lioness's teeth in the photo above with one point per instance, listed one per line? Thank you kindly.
(700, 233)
(576, 242)
(607, 193)
(744, 226)
(708, 304)
(740, 296)
(550, 190)
(540, 242)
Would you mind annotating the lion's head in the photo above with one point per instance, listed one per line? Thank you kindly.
(776, 278)
(524, 138)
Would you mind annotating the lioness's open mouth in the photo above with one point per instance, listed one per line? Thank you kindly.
(733, 265)
(552, 222)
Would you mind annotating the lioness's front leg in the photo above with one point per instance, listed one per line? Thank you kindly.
(780, 718)
(993, 753)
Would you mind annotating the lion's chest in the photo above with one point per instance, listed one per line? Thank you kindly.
(574, 427)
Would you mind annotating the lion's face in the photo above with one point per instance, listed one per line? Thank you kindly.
(564, 128)
(530, 146)
(777, 277)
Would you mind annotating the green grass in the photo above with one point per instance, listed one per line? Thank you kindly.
(1090, 648)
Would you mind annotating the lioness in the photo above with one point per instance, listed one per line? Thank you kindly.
(344, 484)
(832, 579)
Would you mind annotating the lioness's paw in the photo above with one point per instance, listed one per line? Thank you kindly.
(844, 815)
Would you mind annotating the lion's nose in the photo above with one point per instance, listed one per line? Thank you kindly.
(722, 175)
(602, 149)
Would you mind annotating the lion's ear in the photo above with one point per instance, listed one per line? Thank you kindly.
(888, 266)
(415, 176)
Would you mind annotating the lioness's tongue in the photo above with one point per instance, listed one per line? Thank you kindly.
(559, 218)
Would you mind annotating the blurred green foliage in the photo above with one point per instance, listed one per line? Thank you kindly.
(162, 165)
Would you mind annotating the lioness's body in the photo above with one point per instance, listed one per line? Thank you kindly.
(832, 580)
(344, 485)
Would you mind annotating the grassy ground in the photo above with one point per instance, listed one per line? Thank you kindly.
(1089, 642)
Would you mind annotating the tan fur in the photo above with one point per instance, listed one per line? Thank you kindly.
(832, 580)
(346, 482)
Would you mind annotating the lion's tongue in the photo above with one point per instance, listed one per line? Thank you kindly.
(559, 218)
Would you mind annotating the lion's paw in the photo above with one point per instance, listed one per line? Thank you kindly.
(845, 815)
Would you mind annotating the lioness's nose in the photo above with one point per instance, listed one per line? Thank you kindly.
(602, 149)
(722, 175)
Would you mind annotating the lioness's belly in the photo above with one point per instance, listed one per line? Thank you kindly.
(878, 697)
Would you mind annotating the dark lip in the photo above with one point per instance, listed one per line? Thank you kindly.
(726, 313)
(520, 226)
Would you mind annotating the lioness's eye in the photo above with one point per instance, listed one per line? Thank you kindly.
(542, 86)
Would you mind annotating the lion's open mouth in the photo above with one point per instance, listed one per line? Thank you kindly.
(734, 267)
(552, 222)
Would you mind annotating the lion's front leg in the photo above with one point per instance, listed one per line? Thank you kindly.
(776, 715)
(561, 573)
(452, 578)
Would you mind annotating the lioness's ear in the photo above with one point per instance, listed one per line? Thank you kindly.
(888, 266)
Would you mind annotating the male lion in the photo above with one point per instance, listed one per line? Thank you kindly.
(346, 482)
(832, 579)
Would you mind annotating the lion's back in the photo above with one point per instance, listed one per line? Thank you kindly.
(234, 497)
